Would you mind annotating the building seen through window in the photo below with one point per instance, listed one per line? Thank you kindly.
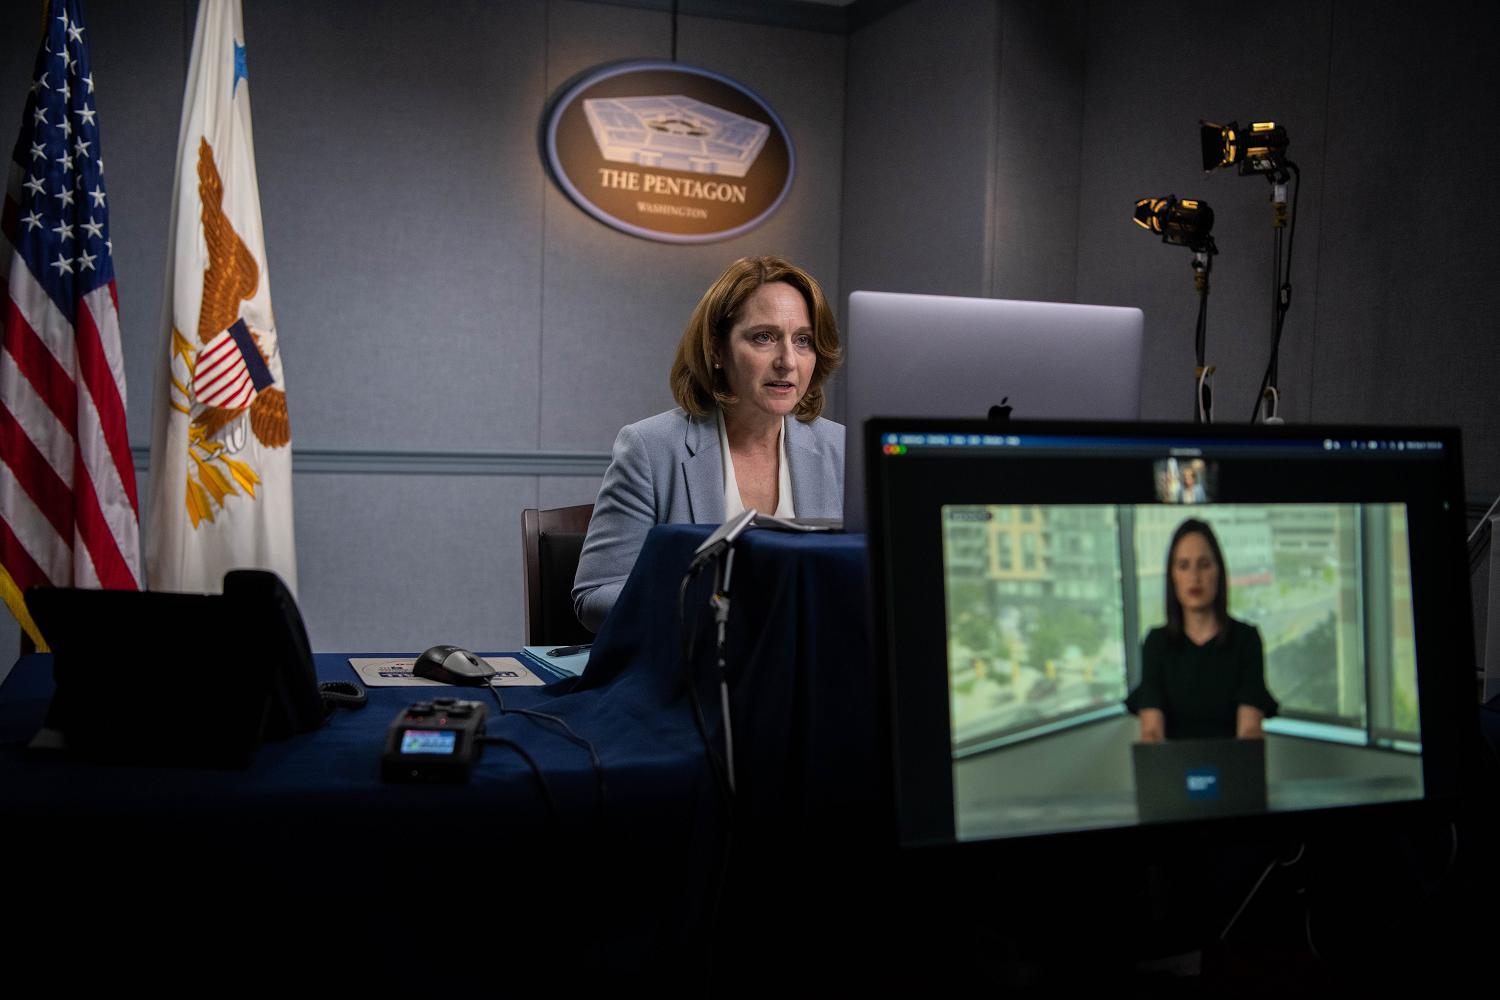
(1037, 601)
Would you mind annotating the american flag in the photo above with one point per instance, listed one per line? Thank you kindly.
(68, 511)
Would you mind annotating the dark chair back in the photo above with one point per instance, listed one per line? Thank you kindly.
(551, 541)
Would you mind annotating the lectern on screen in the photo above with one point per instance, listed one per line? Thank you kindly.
(1019, 570)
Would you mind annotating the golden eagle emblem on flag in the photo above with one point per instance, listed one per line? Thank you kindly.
(225, 381)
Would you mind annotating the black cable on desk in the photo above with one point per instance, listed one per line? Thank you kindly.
(501, 741)
(572, 735)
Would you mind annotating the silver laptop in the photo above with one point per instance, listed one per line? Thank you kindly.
(945, 356)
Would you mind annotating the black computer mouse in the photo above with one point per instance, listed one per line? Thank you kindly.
(452, 665)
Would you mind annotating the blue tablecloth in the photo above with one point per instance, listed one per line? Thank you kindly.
(798, 660)
(310, 829)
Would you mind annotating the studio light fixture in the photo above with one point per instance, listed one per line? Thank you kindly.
(1259, 148)
(1188, 222)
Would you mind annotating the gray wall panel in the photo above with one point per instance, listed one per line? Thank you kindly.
(566, 491)
(1143, 102)
(404, 562)
(400, 186)
(919, 148)
(1038, 134)
(1406, 316)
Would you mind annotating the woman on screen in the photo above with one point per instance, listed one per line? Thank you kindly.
(755, 355)
(1190, 490)
(1203, 673)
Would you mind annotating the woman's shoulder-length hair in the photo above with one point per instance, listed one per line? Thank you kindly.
(698, 387)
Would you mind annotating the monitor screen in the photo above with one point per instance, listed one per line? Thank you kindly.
(1090, 626)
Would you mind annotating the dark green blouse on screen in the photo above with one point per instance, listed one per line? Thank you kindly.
(1199, 688)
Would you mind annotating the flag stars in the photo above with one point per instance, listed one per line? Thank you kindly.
(41, 84)
(34, 221)
(81, 147)
(64, 231)
(90, 81)
(86, 260)
(34, 184)
(63, 264)
(66, 93)
(75, 32)
(38, 151)
(98, 195)
(66, 160)
(87, 114)
(39, 116)
(65, 125)
(94, 228)
(65, 196)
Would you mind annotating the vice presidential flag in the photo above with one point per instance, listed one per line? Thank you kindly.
(221, 462)
(68, 514)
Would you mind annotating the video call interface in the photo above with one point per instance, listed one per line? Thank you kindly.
(1047, 604)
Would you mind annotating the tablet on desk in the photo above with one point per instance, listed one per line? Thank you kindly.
(563, 664)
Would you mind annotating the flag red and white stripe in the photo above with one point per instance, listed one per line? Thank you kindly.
(68, 509)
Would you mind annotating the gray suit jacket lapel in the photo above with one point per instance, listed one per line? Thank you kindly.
(703, 471)
(812, 470)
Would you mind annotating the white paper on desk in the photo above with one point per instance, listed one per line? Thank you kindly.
(387, 672)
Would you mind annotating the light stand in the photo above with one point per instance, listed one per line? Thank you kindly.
(1189, 223)
(1261, 149)
(1203, 404)
(1268, 399)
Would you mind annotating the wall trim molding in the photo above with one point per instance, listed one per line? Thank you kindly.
(344, 461)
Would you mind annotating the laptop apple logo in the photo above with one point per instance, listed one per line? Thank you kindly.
(1002, 411)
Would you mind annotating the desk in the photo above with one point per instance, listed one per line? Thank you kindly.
(154, 871)
(178, 861)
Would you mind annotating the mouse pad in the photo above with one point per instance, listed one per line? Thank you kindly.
(388, 672)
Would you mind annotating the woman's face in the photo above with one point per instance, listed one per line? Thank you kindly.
(1195, 574)
(767, 356)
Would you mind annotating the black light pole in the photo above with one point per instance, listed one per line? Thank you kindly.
(1189, 222)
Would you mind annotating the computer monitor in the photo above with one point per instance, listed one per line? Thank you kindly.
(948, 356)
(1018, 571)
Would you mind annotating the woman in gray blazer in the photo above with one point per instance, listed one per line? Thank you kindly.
(748, 379)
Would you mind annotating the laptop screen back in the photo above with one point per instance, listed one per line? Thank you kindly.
(946, 356)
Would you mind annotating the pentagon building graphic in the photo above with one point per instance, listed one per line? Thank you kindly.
(675, 133)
